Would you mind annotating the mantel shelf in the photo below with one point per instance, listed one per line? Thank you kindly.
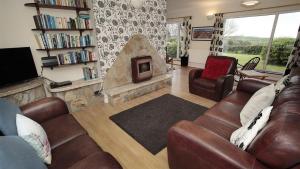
(56, 7)
(54, 49)
(75, 84)
(38, 29)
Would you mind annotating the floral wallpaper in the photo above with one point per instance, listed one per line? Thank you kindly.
(116, 21)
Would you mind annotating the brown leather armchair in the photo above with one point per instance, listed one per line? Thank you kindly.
(213, 89)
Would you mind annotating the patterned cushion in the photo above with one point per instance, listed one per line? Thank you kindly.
(215, 68)
(15, 153)
(243, 136)
(35, 135)
(8, 113)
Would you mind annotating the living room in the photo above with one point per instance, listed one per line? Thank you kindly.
(154, 84)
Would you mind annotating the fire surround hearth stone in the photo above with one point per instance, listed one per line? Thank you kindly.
(118, 86)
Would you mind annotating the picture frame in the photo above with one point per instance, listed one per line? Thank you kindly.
(202, 33)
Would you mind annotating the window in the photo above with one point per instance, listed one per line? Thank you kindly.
(173, 37)
(269, 37)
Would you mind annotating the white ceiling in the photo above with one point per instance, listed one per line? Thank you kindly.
(177, 4)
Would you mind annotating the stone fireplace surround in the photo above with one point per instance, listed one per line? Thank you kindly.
(118, 86)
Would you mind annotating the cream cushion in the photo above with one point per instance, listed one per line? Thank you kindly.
(34, 134)
(261, 99)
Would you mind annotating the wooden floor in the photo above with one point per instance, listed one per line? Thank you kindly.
(114, 140)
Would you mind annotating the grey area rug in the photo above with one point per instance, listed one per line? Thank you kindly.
(149, 122)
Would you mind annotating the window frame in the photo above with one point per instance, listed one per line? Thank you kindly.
(271, 38)
(178, 22)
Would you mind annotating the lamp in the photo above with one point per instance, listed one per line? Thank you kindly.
(250, 2)
(137, 3)
(210, 15)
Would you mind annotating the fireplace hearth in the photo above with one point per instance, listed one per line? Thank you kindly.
(141, 68)
(131, 76)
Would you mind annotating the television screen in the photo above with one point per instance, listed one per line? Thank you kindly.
(16, 65)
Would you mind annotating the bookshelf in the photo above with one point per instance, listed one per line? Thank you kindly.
(38, 5)
(70, 64)
(59, 29)
(78, 6)
(55, 49)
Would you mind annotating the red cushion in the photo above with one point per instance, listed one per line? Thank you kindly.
(215, 68)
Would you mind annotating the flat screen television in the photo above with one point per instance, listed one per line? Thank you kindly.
(16, 65)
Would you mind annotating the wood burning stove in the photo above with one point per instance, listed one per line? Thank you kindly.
(141, 68)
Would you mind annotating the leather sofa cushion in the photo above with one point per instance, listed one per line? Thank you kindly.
(238, 98)
(62, 129)
(95, 160)
(205, 83)
(227, 111)
(72, 152)
(277, 145)
(290, 93)
(215, 125)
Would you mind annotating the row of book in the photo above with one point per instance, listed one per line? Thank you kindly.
(51, 22)
(61, 40)
(75, 57)
(73, 3)
(89, 73)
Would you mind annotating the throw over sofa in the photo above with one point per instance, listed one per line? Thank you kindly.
(204, 143)
(214, 89)
(72, 148)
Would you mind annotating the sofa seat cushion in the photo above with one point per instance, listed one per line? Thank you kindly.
(238, 97)
(62, 129)
(94, 161)
(205, 83)
(215, 125)
(73, 151)
(227, 111)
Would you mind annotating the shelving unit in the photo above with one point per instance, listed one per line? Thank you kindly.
(64, 65)
(61, 29)
(37, 6)
(54, 49)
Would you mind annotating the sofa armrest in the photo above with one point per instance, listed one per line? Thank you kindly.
(195, 73)
(224, 85)
(251, 85)
(194, 147)
(45, 109)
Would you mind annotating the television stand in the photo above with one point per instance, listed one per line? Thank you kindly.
(24, 92)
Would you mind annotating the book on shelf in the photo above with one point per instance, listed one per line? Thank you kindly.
(89, 73)
(71, 3)
(44, 21)
(62, 40)
(76, 57)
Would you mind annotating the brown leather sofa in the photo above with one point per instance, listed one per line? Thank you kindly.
(213, 89)
(72, 148)
(204, 143)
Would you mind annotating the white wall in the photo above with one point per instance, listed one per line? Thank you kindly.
(199, 50)
(15, 31)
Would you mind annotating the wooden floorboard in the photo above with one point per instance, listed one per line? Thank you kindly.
(123, 147)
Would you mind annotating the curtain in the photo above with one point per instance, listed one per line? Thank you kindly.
(216, 45)
(185, 36)
(294, 59)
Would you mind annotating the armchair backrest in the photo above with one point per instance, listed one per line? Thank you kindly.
(233, 62)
